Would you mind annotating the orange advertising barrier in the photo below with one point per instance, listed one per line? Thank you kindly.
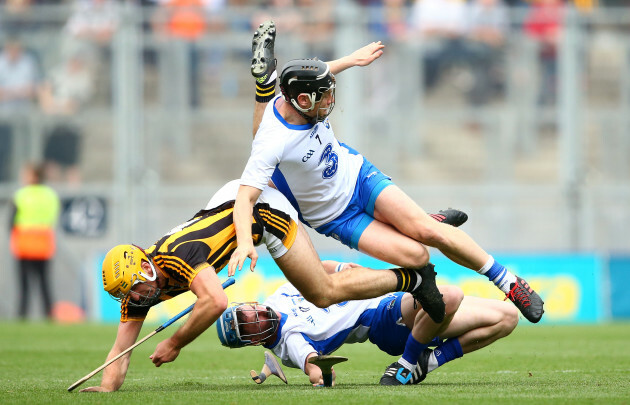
(33, 243)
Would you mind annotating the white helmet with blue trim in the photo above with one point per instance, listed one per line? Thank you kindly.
(247, 324)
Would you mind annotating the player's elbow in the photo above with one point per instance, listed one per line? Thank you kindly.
(213, 305)
(220, 304)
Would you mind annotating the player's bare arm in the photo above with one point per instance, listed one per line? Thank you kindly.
(243, 210)
(114, 374)
(210, 304)
(361, 57)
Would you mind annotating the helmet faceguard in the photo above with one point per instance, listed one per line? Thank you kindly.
(311, 77)
(122, 270)
(247, 324)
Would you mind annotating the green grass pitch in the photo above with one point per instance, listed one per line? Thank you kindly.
(536, 364)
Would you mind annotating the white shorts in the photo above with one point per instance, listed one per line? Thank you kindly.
(276, 246)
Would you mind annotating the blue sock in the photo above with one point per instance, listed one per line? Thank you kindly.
(500, 276)
(413, 348)
(447, 351)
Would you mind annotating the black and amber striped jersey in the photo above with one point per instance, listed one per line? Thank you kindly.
(208, 238)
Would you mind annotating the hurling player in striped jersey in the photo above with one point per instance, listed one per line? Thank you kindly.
(188, 258)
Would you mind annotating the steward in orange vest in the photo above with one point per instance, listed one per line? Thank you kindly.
(36, 212)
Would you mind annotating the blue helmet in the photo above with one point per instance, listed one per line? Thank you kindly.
(246, 324)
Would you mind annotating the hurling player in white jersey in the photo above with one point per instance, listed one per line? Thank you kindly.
(340, 193)
(296, 330)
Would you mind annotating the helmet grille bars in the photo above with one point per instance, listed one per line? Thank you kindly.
(311, 77)
(246, 324)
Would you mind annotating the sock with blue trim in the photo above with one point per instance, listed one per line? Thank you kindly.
(413, 348)
(445, 352)
(498, 274)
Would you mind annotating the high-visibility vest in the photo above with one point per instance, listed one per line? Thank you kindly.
(33, 233)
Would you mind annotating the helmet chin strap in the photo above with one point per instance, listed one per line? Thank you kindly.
(313, 100)
(303, 111)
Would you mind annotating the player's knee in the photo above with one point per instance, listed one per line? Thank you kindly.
(323, 298)
(453, 297)
(432, 234)
(509, 319)
(320, 295)
(415, 258)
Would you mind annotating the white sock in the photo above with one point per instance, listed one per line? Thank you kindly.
(340, 267)
(432, 364)
(486, 266)
(271, 78)
(502, 277)
(406, 364)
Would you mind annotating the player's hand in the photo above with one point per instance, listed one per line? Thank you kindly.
(165, 352)
(368, 54)
(95, 389)
(239, 256)
(320, 382)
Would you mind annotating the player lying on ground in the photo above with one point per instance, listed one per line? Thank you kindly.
(337, 191)
(190, 256)
(296, 330)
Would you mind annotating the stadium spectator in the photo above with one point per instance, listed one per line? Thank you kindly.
(184, 22)
(35, 209)
(515, 3)
(487, 27)
(90, 30)
(312, 22)
(466, 37)
(336, 190)
(91, 27)
(190, 256)
(388, 18)
(317, 26)
(18, 16)
(543, 23)
(284, 13)
(441, 25)
(295, 330)
(66, 90)
(19, 74)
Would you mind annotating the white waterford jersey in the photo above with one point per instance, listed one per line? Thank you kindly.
(306, 328)
(308, 165)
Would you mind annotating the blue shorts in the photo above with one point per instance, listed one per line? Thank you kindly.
(349, 226)
(386, 330)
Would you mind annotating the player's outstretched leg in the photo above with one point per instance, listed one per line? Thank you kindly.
(427, 293)
(526, 300)
(263, 60)
(420, 282)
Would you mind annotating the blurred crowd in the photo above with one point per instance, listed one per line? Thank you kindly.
(456, 34)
